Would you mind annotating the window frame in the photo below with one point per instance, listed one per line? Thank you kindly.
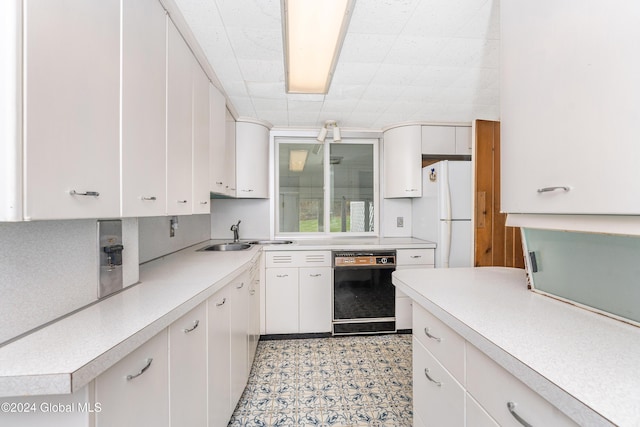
(327, 233)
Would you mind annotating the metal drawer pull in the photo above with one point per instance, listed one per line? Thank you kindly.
(426, 332)
(549, 189)
(411, 189)
(241, 286)
(282, 275)
(512, 406)
(219, 182)
(220, 304)
(252, 292)
(148, 363)
(86, 193)
(315, 275)
(204, 203)
(182, 201)
(151, 199)
(426, 374)
(416, 256)
(247, 191)
(195, 325)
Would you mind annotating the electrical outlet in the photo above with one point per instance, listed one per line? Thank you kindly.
(400, 222)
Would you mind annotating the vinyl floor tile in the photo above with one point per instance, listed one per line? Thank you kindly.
(329, 382)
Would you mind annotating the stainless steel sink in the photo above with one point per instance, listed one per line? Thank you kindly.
(270, 242)
(226, 247)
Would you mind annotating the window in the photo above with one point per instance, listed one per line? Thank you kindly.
(348, 172)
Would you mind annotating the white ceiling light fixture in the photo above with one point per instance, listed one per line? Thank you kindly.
(297, 160)
(313, 34)
(330, 124)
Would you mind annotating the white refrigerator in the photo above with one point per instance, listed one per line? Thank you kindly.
(443, 213)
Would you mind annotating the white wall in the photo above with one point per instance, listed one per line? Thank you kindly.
(49, 268)
(154, 234)
(391, 210)
(254, 213)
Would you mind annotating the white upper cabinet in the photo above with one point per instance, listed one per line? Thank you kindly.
(179, 123)
(403, 162)
(201, 140)
(143, 108)
(252, 160)
(446, 140)
(71, 109)
(229, 155)
(570, 107)
(217, 143)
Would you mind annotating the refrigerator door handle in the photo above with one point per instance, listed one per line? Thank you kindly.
(445, 192)
(445, 242)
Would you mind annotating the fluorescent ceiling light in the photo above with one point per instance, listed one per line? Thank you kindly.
(297, 159)
(314, 31)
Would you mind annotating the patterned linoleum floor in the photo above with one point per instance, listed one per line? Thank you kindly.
(340, 381)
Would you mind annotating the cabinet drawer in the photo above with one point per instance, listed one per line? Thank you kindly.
(477, 416)
(445, 344)
(493, 387)
(438, 399)
(415, 257)
(298, 259)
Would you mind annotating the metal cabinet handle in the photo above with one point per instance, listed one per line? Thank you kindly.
(315, 275)
(204, 203)
(247, 191)
(148, 363)
(241, 286)
(426, 332)
(86, 193)
(411, 189)
(219, 182)
(220, 304)
(426, 374)
(252, 292)
(549, 189)
(182, 201)
(512, 406)
(151, 198)
(282, 275)
(416, 256)
(195, 325)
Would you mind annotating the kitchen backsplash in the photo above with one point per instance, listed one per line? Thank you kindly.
(396, 217)
(254, 213)
(50, 268)
(154, 234)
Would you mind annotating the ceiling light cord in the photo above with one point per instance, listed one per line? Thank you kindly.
(330, 124)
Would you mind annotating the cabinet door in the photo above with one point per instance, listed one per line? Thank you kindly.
(463, 140)
(314, 287)
(179, 123)
(135, 391)
(219, 358)
(438, 140)
(476, 415)
(569, 140)
(217, 146)
(71, 109)
(143, 112)
(252, 160)
(402, 162)
(281, 300)
(239, 336)
(437, 398)
(187, 367)
(200, 194)
(230, 154)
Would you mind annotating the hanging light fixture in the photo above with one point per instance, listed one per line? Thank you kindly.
(329, 124)
(314, 31)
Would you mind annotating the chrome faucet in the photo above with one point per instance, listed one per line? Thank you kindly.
(236, 231)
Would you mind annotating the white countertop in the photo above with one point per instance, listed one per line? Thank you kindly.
(66, 355)
(586, 364)
(354, 243)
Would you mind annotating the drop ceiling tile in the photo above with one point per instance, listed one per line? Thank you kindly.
(435, 76)
(476, 53)
(250, 13)
(259, 44)
(303, 118)
(263, 104)
(385, 93)
(485, 23)
(395, 74)
(267, 90)
(305, 97)
(346, 91)
(367, 47)
(305, 106)
(364, 120)
(371, 106)
(261, 71)
(236, 87)
(354, 73)
(336, 104)
(409, 49)
(276, 118)
(381, 16)
(243, 105)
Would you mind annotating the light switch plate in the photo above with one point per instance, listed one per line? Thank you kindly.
(110, 276)
(400, 222)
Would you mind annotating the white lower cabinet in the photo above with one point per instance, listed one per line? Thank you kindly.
(297, 292)
(135, 391)
(437, 397)
(254, 310)
(410, 258)
(187, 367)
(239, 312)
(219, 357)
(455, 384)
(314, 296)
(505, 397)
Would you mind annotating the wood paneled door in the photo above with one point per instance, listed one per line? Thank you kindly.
(495, 243)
